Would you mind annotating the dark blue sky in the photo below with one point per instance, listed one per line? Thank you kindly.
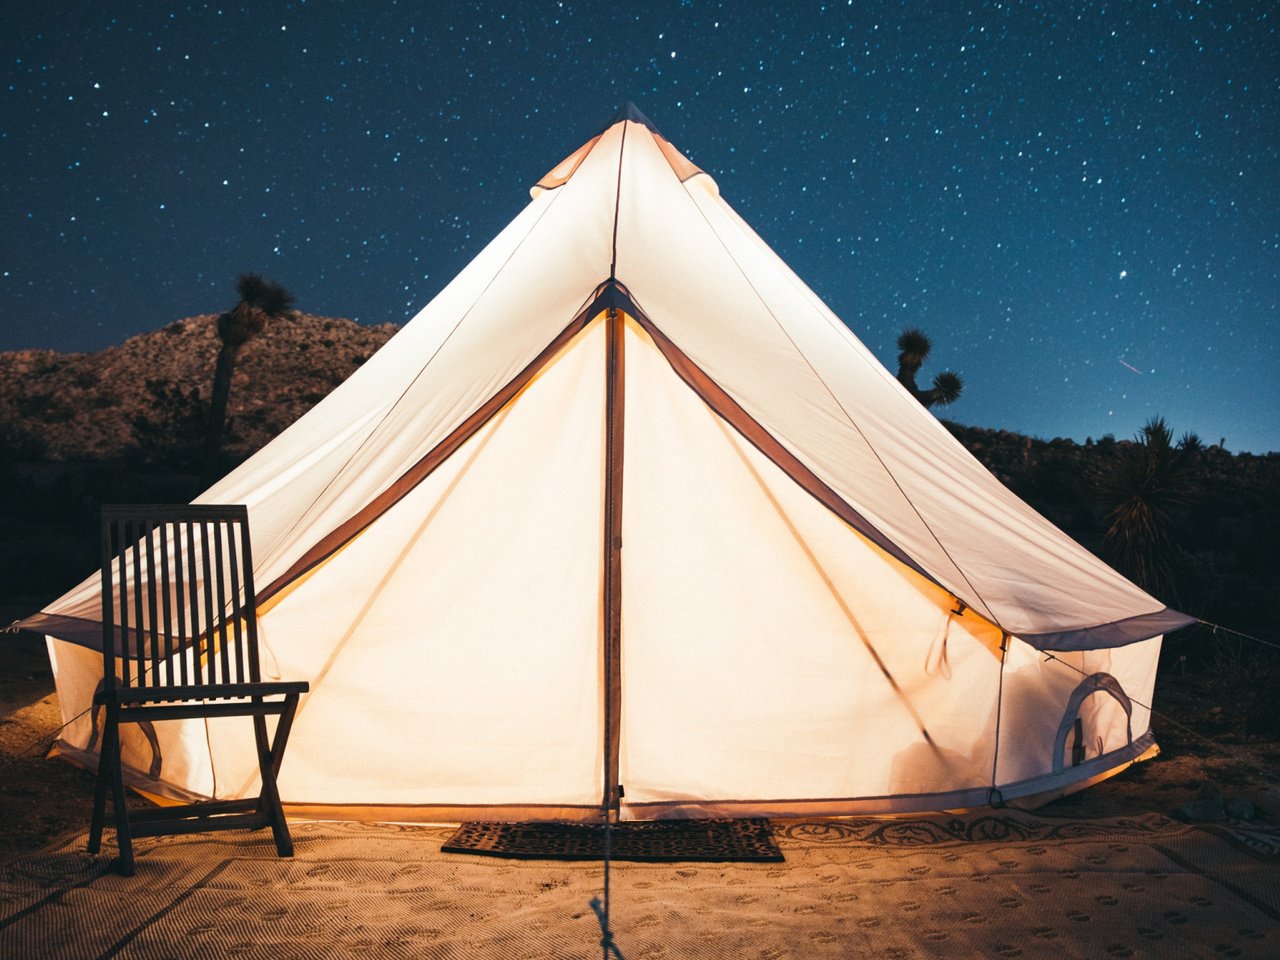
(1080, 202)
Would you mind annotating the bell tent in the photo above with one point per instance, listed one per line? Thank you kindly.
(627, 517)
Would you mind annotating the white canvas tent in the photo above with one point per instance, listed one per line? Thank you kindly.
(626, 510)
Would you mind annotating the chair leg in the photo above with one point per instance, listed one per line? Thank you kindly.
(100, 787)
(124, 836)
(270, 796)
(284, 726)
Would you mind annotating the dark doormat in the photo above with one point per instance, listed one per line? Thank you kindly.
(637, 840)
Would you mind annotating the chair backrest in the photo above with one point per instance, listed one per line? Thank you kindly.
(178, 603)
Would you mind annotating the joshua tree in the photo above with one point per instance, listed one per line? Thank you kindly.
(1191, 444)
(1144, 486)
(260, 301)
(913, 350)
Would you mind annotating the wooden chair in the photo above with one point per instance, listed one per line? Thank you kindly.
(179, 641)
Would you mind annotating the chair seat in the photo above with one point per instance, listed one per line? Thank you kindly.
(202, 693)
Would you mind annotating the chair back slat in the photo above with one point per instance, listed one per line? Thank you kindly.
(152, 678)
(177, 619)
(165, 626)
(136, 597)
(211, 645)
(250, 618)
(218, 627)
(233, 572)
(177, 596)
(193, 600)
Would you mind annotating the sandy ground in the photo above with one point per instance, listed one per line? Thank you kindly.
(1005, 884)
(43, 799)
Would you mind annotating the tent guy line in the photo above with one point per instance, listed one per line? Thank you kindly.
(391, 409)
(849, 416)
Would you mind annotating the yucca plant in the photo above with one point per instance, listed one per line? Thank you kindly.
(1191, 443)
(1143, 488)
(260, 301)
(947, 387)
(913, 349)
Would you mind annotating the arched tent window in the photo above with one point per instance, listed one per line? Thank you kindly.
(1073, 724)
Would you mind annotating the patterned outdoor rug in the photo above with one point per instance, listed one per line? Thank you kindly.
(1004, 884)
(661, 841)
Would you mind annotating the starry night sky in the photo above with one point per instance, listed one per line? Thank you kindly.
(1079, 202)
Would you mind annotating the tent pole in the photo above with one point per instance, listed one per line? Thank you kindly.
(614, 394)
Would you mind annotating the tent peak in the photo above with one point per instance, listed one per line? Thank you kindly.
(680, 165)
(630, 111)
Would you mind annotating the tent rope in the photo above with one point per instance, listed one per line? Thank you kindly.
(272, 549)
(1216, 628)
(600, 905)
(53, 734)
(601, 910)
(994, 797)
(50, 737)
(987, 610)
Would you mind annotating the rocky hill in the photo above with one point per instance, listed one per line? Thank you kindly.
(151, 391)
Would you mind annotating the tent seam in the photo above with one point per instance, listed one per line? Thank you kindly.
(421, 370)
(870, 363)
(617, 206)
(848, 416)
(302, 566)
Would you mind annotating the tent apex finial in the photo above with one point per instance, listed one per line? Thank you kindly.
(630, 111)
